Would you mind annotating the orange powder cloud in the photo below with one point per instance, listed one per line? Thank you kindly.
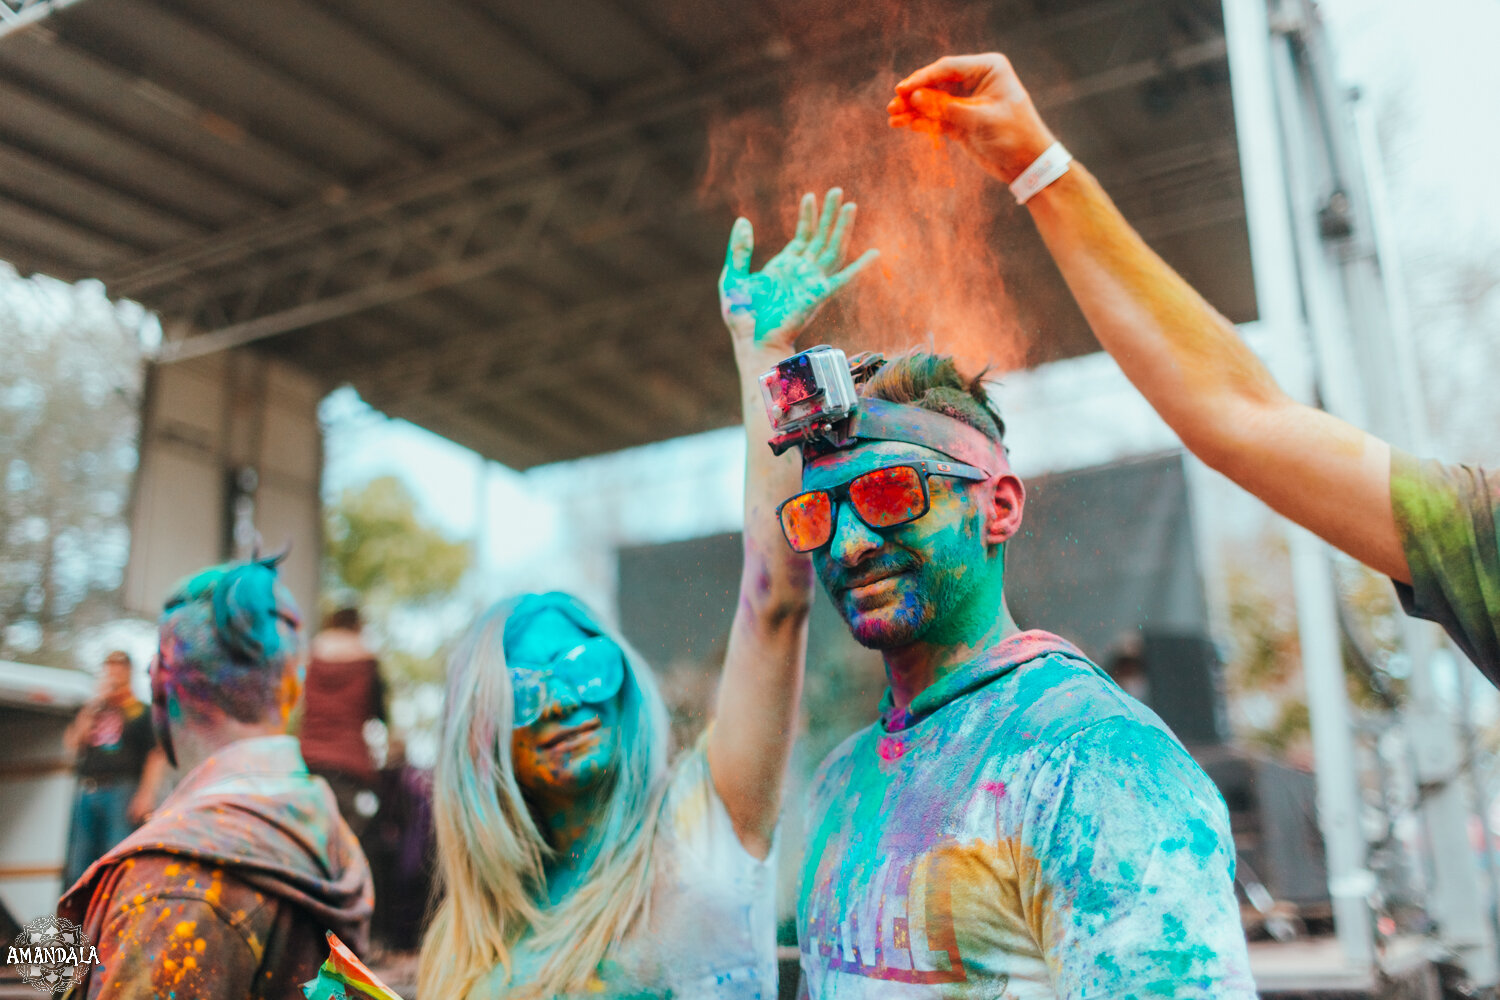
(933, 214)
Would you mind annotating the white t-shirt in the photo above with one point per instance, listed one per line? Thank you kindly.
(711, 929)
(1024, 831)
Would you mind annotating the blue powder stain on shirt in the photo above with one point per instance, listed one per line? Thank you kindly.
(1204, 840)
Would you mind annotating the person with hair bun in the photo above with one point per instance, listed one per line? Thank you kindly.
(229, 888)
(343, 693)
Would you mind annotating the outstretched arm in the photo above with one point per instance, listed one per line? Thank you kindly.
(762, 681)
(1185, 358)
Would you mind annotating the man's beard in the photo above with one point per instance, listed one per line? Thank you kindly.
(900, 621)
(903, 626)
(929, 598)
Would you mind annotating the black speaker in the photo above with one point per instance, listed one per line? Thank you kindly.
(1184, 685)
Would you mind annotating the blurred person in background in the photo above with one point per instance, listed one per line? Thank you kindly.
(399, 843)
(574, 860)
(1430, 527)
(118, 764)
(228, 889)
(344, 692)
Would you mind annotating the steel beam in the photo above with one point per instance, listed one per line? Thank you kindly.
(46, 235)
(244, 286)
(523, 348)
(533, 147)
(18, 14)
(185, 24)
(49, 189)
(205, 138)
(444, 250)
(85, 144)
(457, 357)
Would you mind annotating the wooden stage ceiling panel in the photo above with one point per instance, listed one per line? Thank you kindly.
(486, 214)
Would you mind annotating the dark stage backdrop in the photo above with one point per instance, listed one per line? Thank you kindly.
(1105, 559)
(1107, 553)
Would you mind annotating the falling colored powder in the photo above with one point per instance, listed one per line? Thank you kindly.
(937, 219)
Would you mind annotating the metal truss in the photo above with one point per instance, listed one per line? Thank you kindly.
(493, 208)
(633, 379)
(16, 14)
(386, 258)
(1177, 190)
(541, 350)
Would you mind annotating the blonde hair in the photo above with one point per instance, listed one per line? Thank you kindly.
(491, 854)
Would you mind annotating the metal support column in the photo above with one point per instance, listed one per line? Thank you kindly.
(1278, 292)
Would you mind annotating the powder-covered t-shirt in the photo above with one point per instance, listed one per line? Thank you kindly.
(711, 928)
(1446, 517)
(1024, 830)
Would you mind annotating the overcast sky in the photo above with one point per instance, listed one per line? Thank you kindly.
(1437, 61)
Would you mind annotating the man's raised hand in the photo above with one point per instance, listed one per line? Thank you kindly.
(771, 306)
(979, 101)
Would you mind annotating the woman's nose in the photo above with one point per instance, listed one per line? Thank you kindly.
(560, 699)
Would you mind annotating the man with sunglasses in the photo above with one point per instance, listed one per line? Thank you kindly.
(1014, 824)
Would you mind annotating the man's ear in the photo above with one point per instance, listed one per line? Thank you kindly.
(1007, 499)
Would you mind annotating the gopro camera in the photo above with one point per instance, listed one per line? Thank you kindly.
(809, 393)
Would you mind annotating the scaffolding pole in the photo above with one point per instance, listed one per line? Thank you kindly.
(1278, 291)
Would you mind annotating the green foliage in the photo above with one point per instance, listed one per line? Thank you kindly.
(403, 571)
(1293, 726)
(1265, 666)
(376, 545)
(406, 669)
(1372, 644)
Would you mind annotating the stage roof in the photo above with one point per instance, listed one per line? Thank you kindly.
(485, 214)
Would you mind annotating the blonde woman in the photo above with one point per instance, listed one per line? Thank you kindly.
(573, 860)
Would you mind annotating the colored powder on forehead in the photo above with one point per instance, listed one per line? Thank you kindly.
(542, 637)
(201, 670)
(542, 626)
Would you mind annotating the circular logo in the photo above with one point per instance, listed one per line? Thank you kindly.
(52, 954)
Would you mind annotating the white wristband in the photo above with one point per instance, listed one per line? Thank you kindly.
(1045, 169)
